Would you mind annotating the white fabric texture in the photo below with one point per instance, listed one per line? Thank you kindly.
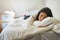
(45, 22)
(56, 28)
(23, 28)
(31, 19)
(10, 33)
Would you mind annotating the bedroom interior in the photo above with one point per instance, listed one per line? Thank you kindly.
(10, 10)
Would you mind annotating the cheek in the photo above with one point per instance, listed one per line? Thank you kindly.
(41, 18)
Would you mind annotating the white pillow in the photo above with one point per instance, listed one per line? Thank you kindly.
(45, 22)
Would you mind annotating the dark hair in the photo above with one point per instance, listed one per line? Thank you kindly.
(47, 11)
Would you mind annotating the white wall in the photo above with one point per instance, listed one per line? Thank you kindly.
(20, 6)
(55, 7)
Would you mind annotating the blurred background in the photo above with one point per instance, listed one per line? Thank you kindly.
(20, 6)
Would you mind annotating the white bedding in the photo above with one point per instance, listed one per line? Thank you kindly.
(10, 33)
(19, 30)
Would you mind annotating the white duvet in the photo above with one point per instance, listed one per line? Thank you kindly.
(20, 30)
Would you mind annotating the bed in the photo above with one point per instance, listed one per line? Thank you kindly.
(15, 32)
(19, 31)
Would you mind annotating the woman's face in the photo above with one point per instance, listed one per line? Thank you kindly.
(42, 16)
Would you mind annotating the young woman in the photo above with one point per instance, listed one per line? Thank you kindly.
(42, 15)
